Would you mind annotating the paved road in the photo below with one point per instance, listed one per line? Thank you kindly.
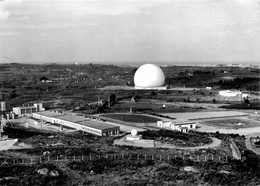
(149, 144)
(7, 144)
(215, 143)
(241, 131)
(248, 144)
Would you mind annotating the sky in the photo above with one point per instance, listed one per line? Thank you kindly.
(130, 31)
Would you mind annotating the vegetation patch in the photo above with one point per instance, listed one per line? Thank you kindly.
(134, 118)
(177, 138)
(41, 174)
(233, 123)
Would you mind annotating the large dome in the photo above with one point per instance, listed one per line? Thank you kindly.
(149, 75)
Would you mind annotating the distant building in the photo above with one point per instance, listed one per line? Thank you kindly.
(180, 126)
(25, 110)
(79, 123)
(3, 106)
(229, 93)
(245, 96)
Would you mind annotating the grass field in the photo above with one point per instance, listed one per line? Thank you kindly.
(134, 118)
(233, 123)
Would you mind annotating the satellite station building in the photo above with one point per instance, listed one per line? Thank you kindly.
(149, 77)
(24, 110)
(77, 122)
(181, 126)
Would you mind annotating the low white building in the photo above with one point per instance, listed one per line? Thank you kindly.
(181, 126)
(229, 93)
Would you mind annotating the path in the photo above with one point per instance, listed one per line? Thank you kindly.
(215, 143)
(241, 131)
(7, 144)
(150, 144)
(249, 145)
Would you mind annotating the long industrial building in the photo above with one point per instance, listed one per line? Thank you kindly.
(77, 122)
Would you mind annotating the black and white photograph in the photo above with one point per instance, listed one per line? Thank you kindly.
(130, 92)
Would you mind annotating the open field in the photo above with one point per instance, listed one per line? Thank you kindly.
(134, 118)
(233, 123)
(205, 115)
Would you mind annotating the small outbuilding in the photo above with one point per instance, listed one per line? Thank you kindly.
(181, 126)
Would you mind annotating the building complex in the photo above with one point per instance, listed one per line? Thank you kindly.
(181, 126)
(25, 110)
(77, 122)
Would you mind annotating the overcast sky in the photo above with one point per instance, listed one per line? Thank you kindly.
(130, 31)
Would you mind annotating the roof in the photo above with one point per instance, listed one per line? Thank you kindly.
(49, 113)
(184, 123)
(97, 124)
(79, 120)
(28, 107)
(71, 118)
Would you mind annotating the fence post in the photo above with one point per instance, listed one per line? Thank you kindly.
(122, 156)
(198, 158)
(99, 156)
(115, 156)
(168, 158)
(48, 158)
(14, 162)
(219, 158)
(31, 160)
(107, 156)
(74, 157)
(226, 158)
(138, 156)
(145, 156)
(57, 158)
(160, 157)
(152, 156)
(205, 158)
(183, 157)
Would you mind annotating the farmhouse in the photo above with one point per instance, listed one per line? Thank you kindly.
(181, 126)
(77, 122)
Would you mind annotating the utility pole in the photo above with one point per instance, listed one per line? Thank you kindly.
(108, 101)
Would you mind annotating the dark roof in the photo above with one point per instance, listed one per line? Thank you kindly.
(49, 113)
(71, 118)
(97, 125)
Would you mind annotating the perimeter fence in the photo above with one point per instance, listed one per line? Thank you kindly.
(111, 157)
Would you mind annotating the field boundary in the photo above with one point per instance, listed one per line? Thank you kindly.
(110, 157)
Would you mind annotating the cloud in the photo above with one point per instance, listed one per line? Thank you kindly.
(4, 14)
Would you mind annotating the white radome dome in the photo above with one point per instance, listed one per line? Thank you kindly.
(149, 75)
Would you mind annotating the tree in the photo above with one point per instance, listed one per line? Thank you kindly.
(44, 78)
(112, 98)
(246, 101)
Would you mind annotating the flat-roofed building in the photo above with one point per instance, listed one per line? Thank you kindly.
(78, 122)
(48, 116)
(181, 126)
(103, 129)
(25, 110)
